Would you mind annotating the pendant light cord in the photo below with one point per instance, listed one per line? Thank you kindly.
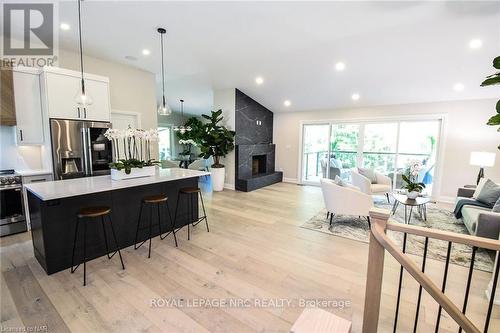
(81, 44)
(162, 70)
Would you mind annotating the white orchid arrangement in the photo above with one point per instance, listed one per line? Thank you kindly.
(188, 143)
(136, 144)
(411, 179)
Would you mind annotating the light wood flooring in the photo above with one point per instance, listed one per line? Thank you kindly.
(255, 250)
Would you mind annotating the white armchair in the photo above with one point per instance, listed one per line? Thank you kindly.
(383, 185)
(345, 200)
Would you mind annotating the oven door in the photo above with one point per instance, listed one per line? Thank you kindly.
(12, 219)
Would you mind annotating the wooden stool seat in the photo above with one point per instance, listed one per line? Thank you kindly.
(93, 211)
(155, 198)
(189, 190)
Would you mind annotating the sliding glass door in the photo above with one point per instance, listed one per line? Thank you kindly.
(332, 149)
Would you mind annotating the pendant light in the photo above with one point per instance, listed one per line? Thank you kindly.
(163, 108)
(82, 98)
(182, 129)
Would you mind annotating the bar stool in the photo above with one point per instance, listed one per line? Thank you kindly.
(191, 193)
(89, 213)
(153, 200)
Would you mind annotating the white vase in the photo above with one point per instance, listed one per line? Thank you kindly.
(412, 194)
(134, 173)
(218, 176)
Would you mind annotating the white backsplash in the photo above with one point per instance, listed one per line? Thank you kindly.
(17, 157)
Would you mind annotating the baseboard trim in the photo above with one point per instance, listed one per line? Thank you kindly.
(229, 186)
(290, 180)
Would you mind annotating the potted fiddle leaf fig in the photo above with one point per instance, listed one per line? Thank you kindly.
(491, 80)
(216, 141)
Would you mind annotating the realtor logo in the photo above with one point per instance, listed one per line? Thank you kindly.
(29, 34)
(33, 24)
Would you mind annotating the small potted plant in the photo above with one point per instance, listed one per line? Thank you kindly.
(413, 187)
(135, 159)
(216, 141)
(188, 144)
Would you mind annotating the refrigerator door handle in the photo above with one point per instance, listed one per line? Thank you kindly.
(89, 153)
(85, 151)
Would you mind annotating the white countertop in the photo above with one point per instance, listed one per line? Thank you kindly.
(80, 186)
(26, 173)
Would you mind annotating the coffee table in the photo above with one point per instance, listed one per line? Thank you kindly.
(419, 202)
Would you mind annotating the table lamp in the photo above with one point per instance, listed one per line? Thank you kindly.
(482, 159)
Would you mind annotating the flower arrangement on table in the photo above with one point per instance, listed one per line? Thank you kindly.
(413, 187)
(188, 144)
(136, 145)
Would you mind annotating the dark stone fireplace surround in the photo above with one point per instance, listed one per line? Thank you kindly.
(254, 132)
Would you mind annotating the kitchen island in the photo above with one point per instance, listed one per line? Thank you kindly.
(53, 208)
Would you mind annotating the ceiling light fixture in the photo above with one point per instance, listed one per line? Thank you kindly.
(475, 44)
(163, 108)
(287, 103)
(182, 129)
(458, 86)
(355, 96)
(82, 99)
(65, 26)
(146, 52)
(259, 80)
(340, 66)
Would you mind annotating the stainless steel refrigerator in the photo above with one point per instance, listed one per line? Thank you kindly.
(79, 148)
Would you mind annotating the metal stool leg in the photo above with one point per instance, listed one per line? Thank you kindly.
(105, 237)
(172, 225)
(116, 242)
(190, 213)
(150, 229)
(137, 230)
(204, 212)
(73, 269)
(85, 253)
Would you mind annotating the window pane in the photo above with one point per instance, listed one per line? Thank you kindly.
(344, 145)
(164, 143)
(383, 163)
(380, 137)
(315, 149)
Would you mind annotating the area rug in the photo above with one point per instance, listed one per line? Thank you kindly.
(357, 229)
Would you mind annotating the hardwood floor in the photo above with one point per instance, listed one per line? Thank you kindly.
(255, 251)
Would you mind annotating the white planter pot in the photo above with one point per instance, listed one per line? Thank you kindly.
(412, 194)
(134, 173)
(218, 176)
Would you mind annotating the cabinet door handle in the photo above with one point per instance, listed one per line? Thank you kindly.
(21, 134)
(84, 112)
(78, 112)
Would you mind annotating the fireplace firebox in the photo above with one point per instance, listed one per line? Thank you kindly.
(259, 164)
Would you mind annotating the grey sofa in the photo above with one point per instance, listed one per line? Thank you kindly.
(479, 221)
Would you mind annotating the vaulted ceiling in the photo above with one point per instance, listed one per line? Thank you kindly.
(394, 52)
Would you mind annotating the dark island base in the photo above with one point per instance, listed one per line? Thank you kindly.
(53, 222)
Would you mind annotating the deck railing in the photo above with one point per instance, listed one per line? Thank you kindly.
(380, 242)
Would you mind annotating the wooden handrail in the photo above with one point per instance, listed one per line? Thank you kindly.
(374, 276)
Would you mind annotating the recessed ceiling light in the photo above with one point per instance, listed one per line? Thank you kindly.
(65, 26)
(259, 80)
(340, 66)
(287, 103)
(458, 86)
(355, 97)
(475, 44)
(146, 52)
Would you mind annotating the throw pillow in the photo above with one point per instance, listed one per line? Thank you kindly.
(368, 173)
(479, 187)
(489, 193)
(496, 208)
(339, 181)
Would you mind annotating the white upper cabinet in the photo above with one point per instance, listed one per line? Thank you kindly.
(27, 98)
(61, 86)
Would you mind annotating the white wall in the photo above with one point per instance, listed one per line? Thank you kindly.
(466, 131)
(226, 100)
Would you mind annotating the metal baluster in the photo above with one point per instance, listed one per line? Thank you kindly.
(399, 287)
(420, 287)
(443, 287)
(469, 280)
(492, 297)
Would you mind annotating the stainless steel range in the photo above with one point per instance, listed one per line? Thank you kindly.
(12, 217)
